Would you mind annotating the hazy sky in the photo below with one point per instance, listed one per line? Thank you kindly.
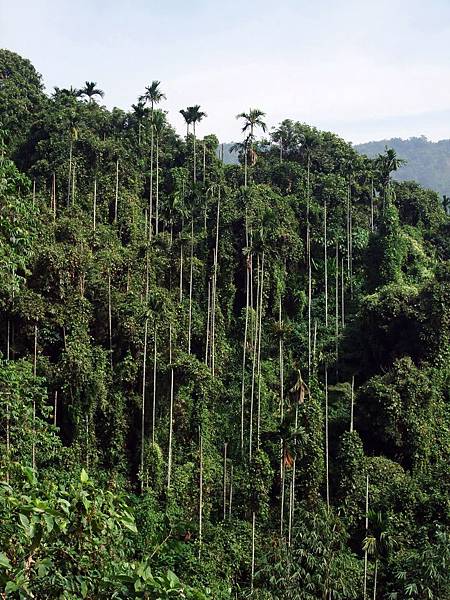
(366, 69)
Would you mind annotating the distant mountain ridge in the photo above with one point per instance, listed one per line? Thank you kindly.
(428, 162)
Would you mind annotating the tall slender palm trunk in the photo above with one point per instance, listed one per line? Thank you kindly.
(157, 188)
(325, 260)
(144, 366)
(155, 358)
(191, 267)
(116, 198)
(169, 458)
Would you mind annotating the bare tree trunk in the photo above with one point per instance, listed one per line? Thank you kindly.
(181, 268)
(116, 199)
(110, 318)
(73, 182)
(54, 196)
(325, 260)
(207, 324)
(169, 459)
(191, 285)
(294, 472)
(224, 480)
(246, 166)
(308, 243)
(33, 447)
(283, 477)
(342, 294)
(336, 334)
(69, 179)
(244, 354)
(230, 496)
(157, 188)
(195, 154)
(214, 290)
(144, 367)
(200, 502)
(367, 529)
(94, 218)
(258, 421)
(327, 470)
(375, 577)
(204, 162)
(255, 355)
(154, 384)
(352, 401)
(253, 550)
(8, 425)
(55, 408)
(371, 205)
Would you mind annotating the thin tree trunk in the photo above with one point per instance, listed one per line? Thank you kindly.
(375, 577)
(144, 366)
(204, 162)
(367, 529)
(191, 285)
(308, 244)
(150, 200)
(225, 446)
(352, 399)
(116, 199)
(283, 477)
(244, 354)
(169, 458)
(154, 384)
(73, 182)
(55, 408)
(230, 496)
(327, 470)
(336, 334)
(110, 318)
(54, 196)
(258, 409)
(294, 473)
(34, 191)
(33, 447)
(371, 205)
(246, 166)
(8, 425)
(253, 551)
(255, 355)
(69, 179)
(181, 268)
(342, 294)
(214, 294)
(325, 261)
(95, 204)
(200, 503)
(207, 323)
(157, 188)
(195, 155)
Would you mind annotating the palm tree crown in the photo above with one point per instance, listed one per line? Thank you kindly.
(90, 90)
(153, 95)
(252, 120)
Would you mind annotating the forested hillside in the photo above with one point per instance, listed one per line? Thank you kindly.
(216, 381)
(427, 162)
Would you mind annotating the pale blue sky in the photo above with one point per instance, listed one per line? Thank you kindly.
(365, 69)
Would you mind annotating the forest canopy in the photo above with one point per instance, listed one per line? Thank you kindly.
(216, 381)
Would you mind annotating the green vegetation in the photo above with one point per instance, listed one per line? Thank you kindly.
(427, 162)
(238, 374)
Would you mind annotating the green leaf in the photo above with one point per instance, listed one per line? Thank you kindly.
(4, 561)
(84, 477)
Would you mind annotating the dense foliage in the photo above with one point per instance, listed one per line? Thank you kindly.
(235, 373)
(427, 161)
